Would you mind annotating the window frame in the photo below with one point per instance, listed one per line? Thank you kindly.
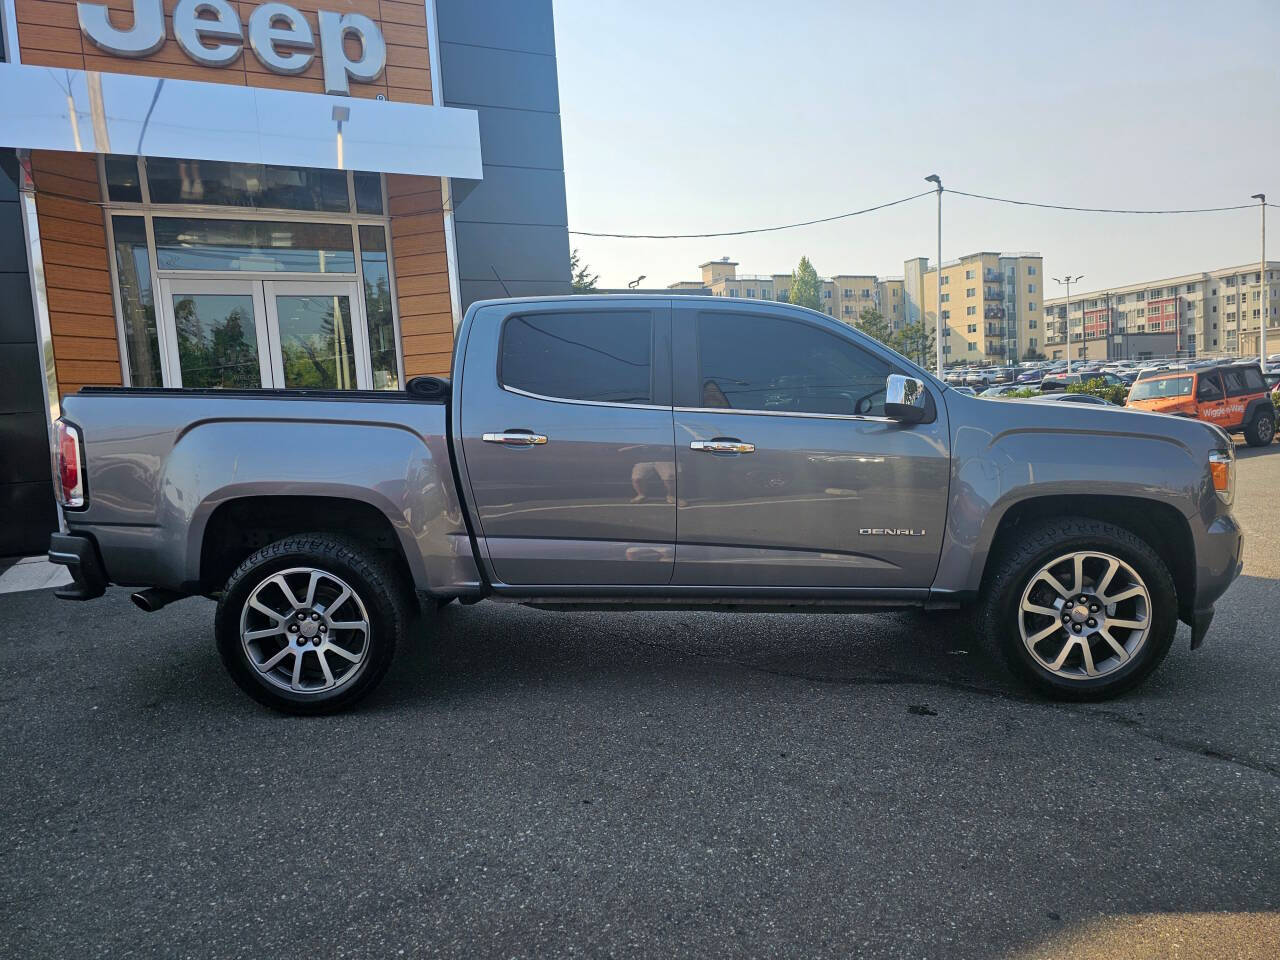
(658, 370)
(148, 211)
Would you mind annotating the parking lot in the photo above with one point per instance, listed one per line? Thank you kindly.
(531, 784)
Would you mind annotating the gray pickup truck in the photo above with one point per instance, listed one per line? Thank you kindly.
(628, 451)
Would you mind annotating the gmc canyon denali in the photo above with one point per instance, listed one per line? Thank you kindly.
(632, 451)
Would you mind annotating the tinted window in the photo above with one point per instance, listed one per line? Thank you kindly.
(580, 356)
(246, 185)
(750, 362)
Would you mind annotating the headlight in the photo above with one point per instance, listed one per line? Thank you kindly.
(1222, 467)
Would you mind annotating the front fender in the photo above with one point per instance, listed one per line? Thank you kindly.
(1057, 453)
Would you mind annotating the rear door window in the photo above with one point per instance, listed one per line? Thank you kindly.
(604, 357)
(1237, 381)
(758, 362)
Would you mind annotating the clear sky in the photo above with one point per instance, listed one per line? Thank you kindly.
(696, 116)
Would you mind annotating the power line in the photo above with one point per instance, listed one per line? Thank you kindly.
(1058, 206)
(894, 203)
(739, 233)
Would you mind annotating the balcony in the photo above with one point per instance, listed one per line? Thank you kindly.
(992, 276)
(993, 313)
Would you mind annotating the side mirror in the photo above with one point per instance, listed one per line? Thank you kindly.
(905, 399)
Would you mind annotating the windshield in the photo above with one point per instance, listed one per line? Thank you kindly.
(1164, 387)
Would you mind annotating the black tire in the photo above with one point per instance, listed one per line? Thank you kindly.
(1027, 551)
(376, 586)
(1261, 430)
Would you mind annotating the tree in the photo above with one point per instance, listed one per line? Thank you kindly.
(806, 289)
(916, 342)
(584, 281)
(872, 322)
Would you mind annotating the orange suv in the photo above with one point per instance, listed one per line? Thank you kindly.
(1234, 396)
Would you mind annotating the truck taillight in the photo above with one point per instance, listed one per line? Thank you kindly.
(70, 466)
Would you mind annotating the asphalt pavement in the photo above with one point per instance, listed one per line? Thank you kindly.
(537, 784)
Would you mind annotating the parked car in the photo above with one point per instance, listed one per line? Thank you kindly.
(1060, 381)
(1031, 377)
(1072, 398)
(607, 452)
(1002, 390)
(967, 391)
(1234, 396)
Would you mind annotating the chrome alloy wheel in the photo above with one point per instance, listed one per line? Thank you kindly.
(1084, 615)
(305, 630)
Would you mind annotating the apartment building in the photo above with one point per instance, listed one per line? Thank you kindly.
(1213, 312)
(992, 305)
(843, 296)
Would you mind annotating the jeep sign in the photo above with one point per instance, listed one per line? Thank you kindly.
(210, 33)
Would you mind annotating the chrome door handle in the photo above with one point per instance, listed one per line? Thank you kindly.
(515, 439)
(722, 446)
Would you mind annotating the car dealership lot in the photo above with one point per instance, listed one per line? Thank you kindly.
(531, 784)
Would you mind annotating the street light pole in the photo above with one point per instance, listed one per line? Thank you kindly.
(1069, 280)
(934, 178)
(1264, 288)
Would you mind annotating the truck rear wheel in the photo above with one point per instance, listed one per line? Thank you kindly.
(1079, 609)
(309, 624)
(1261, 430)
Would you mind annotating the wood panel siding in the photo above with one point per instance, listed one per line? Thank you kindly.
(77, 278)
(49, 36)
(422, 274)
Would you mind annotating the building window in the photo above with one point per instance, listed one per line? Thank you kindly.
(1031, 288)
(1031, 305)
(826, 294)
(1031, 271)
(946, 298)
(971, 291)
(1031, 324)
(137, 301)
(946, 314)
(973, 328)
(970, 311)
(945, 279)
(751, 292)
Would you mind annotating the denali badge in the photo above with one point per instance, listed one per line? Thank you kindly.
(890, 532)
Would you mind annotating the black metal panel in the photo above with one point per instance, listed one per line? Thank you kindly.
(514, 251)
(17, 322)
(27, 518)
(509, 24)
(27, 514)
(498, 57)
(24, 440)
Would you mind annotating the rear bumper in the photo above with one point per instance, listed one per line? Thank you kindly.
(79, 555)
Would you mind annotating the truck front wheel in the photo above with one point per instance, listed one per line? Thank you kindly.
(309, 624)
(1079, 609)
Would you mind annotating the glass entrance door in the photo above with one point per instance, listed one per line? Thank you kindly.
(220, 333)
(317, 341)
(239, 334)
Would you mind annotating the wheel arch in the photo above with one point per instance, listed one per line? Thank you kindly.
(238, 527)
(1159, 524)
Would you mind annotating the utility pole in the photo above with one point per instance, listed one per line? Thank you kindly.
(934, 178)
(1069, 280)
(1262, 279)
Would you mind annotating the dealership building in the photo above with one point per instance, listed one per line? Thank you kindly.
(207, 193)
